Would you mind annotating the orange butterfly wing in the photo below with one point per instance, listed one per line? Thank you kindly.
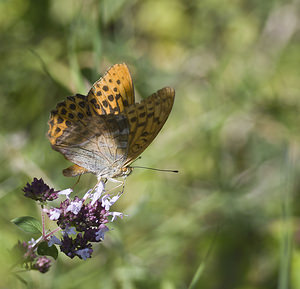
(146, 119)
(112, 92)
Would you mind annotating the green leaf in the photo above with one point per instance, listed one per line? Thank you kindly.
(28, 224)
(44, 250)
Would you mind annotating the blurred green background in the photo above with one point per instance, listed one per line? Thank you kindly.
(230, 218)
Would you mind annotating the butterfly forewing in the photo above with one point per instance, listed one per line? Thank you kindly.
(112, 92)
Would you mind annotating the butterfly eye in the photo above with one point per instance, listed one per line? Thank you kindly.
(126, 171)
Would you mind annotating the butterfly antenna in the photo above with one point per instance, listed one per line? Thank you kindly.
(138, 158)
(154, 169)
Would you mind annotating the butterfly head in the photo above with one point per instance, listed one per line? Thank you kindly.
(114, 172)
(126, 171)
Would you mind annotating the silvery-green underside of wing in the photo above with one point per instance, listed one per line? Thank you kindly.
(100, 144)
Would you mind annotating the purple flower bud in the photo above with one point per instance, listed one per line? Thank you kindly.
(86, 218)
(29, 258)
(42, 264)
(26, 251)
(84, 253)
(69, 231)
(71, 246)
(101, 232)
(54, 240)
(39, 191)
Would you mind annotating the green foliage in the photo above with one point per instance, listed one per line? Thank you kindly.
(233, 134)
(28, 224)
(44, 250)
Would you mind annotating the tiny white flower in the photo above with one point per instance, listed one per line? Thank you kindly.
(84, 253)
(107, 201)
(54, 214)
(31, 241)
(87, 194)
(74, 207)
(98, 192)
(54, 240)
(34, 242)
(66, 192)
(115, 215)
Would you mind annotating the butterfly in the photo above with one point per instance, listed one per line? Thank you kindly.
(104, 131)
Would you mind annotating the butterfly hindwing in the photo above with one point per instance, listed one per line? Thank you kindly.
(97, 146)
(73, 109)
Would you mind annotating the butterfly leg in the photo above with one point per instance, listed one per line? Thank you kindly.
(76, 183)
(97, 185)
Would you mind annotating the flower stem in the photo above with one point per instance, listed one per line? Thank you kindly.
(52, 233)
(43, 222)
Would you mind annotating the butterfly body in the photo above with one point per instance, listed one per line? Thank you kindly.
(103, 132)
